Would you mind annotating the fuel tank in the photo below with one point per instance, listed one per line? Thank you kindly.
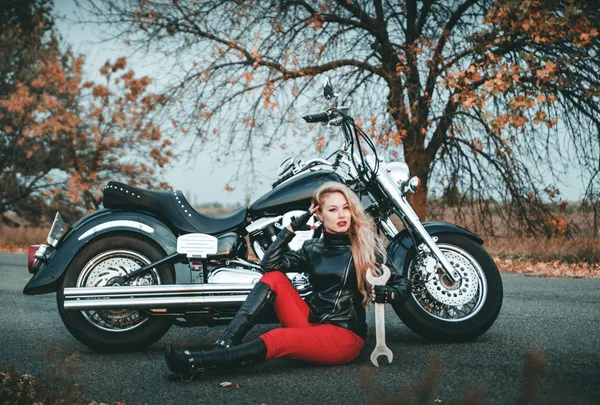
(292, 194)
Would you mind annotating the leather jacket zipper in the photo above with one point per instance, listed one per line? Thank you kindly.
(337, 300)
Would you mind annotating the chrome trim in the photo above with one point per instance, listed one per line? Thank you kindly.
(398, 171)
(389, 228)
(151, 302)
(411, 185)
(391, 189)
(244, 263)
(258, 250)
(318, 160)
(234, 275)
(285, 165)
(197, 245)
(156, 290)
(114, 224)
(154, 296)
(95, 272)
(481, 284)
(43, 252)
(262, 223)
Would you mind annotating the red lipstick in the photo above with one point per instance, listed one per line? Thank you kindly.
(342, 223)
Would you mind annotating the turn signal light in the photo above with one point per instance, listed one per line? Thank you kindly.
(30, 258)
(413, 185)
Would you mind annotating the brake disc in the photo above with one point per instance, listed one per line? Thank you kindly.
(453, 294)
(102, 272)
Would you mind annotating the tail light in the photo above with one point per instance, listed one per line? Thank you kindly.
(30, 258)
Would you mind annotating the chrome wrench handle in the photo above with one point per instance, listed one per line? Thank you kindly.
(380, 347)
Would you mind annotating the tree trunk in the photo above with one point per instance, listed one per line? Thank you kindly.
(419, 166)
(418, 201)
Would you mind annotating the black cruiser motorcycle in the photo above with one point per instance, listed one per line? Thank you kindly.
(114, 269)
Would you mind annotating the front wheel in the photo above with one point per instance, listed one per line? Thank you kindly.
(115, 330)
(445, 312)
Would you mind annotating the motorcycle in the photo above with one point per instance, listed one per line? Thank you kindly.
(114, 269)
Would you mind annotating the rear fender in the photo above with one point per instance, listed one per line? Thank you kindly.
(401, 244)
(91, 227)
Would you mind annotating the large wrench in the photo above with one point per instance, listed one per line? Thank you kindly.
(380, 347)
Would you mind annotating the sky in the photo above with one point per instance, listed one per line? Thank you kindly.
(197, 176)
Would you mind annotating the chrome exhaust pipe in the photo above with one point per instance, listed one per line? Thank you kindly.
(155, 296)
(154, 303)
(150, 290)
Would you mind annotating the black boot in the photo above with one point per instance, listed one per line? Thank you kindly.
(259, 297)
(186, 364)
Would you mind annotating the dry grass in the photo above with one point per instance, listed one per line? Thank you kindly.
(568, 250)
(555, 257)
(19, 239)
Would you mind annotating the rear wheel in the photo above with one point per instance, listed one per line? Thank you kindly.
(452, 312)
(115, 330)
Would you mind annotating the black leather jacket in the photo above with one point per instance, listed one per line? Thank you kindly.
(330, 269)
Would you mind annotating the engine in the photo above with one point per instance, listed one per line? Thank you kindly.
(242, 275)
(264, 231)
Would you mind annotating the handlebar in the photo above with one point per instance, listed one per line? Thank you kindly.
(319, 117)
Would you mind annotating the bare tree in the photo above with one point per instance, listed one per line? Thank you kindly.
(483, 95)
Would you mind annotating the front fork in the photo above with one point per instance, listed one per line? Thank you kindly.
(412, 221)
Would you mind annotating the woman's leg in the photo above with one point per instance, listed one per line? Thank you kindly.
(259, 297)
(320, 344)
(299, 339)
(187, 364)
(291, 309)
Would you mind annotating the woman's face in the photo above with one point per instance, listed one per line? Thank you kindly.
(334, 213)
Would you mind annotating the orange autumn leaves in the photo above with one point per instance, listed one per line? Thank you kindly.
(76, 136)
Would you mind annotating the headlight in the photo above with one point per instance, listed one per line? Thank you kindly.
(398, 171)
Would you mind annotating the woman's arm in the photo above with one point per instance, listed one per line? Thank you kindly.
(279, 256)
(399, 286)
(396, 290)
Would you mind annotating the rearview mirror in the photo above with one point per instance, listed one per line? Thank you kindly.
(328, 90)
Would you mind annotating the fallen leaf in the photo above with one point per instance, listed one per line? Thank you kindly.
(237, 386)
(226, 384)
(438, 401)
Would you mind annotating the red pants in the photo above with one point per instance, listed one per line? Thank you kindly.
(300, 339)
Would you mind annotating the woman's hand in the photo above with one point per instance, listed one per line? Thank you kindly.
(381, 294)
(300, 222)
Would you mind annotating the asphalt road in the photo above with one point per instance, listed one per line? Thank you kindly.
(559, 318)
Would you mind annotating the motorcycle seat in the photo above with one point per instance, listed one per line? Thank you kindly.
(172, 207)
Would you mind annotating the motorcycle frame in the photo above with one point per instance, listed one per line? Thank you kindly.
(415, 235)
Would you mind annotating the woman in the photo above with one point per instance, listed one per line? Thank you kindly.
(331, 328)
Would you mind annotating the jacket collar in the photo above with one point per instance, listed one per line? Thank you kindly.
(336, 239)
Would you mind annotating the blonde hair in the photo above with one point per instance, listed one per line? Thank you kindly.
(367, 247)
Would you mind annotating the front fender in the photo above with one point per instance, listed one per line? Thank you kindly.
(89, 228)
(398, 248)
